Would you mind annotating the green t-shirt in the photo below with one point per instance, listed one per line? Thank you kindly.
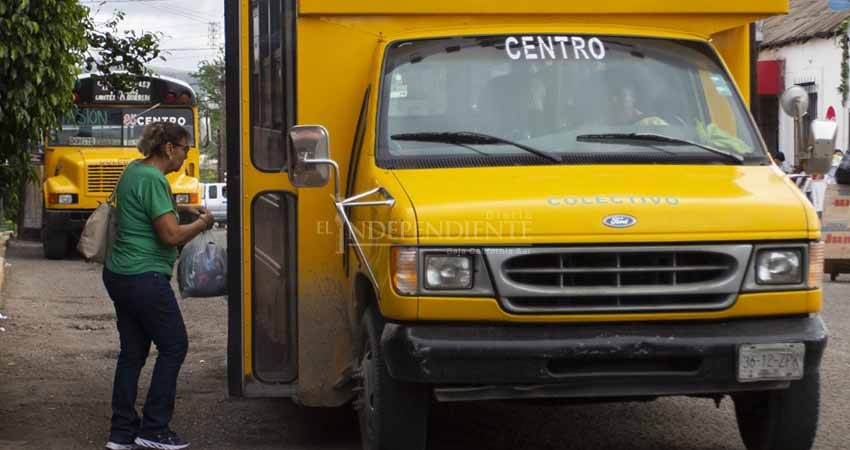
(142, 196)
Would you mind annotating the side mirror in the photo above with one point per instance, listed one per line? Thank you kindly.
(821, 144)
(309, 156)
(205, 131)
(795, 102)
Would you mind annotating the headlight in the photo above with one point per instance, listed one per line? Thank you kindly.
(181, 198)
(779, 266)
(62, 199)
(448, 272)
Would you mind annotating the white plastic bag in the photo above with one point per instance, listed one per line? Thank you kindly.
(202, 267)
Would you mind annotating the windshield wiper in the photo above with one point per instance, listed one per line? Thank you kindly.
(470, 138)
(658, 138)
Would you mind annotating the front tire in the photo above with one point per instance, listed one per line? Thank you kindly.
(393, 414)
(780, 420)
(55, 244)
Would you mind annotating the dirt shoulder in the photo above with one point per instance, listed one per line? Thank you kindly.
(57, 360)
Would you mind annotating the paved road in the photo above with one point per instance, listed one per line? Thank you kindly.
(57, 357)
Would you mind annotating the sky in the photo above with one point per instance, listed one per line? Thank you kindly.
(186, 24)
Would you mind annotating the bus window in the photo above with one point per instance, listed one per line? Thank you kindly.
(116, 126)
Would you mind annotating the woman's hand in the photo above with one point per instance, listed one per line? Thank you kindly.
(206, 216)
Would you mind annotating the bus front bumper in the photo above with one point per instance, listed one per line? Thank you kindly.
(636, 360)
(65, 220)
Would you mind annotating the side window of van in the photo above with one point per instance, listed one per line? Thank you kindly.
(716, 91)
(271, 81)
(213, 192)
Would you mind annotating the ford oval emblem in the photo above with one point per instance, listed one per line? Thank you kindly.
(619, 221)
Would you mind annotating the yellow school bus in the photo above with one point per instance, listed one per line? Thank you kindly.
(85, 157)
(467, 200)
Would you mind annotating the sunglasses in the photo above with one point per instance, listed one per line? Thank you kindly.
(180, 147)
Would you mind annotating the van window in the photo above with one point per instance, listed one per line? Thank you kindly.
(213, 192)
(550, 92)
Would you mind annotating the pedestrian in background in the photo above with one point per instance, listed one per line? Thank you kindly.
(137, 276)
(786, 166)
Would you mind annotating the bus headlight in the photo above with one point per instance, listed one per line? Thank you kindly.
(779, 266)
(448, 272)
(181, 198)
(62, 199)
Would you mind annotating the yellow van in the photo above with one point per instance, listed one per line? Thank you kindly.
(465, 200)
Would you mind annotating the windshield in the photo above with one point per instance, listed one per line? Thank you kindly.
(116, 127)
(584, 99)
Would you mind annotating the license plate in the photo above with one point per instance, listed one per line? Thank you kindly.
(760, 362)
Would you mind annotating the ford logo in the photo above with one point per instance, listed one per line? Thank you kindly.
(619, 221)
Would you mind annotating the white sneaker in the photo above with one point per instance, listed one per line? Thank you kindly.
(116, 446)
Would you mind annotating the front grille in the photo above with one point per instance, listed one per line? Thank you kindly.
(618, 269)
(618, 279)
(102, 178)
(616, 303)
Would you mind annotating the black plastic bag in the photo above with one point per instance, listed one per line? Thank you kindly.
(842, 174)
(202, 267)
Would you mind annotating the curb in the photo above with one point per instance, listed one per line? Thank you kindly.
(5, 236)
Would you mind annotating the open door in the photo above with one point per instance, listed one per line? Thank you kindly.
(262, 314)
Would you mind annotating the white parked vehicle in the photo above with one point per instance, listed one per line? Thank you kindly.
(215, 200)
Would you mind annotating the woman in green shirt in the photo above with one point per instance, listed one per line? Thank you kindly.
(137, 276)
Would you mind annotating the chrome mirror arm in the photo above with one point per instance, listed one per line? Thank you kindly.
(341, 204)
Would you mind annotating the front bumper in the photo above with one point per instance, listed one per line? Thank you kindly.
(481, 362)
(65, 220)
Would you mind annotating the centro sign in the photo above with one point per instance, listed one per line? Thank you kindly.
(132, 120)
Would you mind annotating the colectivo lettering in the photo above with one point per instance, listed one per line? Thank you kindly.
(554, 47)
(613, 200)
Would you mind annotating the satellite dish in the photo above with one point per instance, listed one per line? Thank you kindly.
(795, 102)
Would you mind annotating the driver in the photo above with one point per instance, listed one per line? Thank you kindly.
(623, 109)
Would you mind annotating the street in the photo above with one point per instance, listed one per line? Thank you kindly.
(58, 350)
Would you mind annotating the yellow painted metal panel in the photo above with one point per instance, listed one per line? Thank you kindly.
(535, 204)
(542, 7)
(747, 305)
(251, 182)
(734, 46)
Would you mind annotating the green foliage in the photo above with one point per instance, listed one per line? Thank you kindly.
(41, 44)
(211, 76)
(208, 175)
(844, 43)
(44, 44)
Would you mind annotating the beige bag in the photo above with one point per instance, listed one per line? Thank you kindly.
(101, 229)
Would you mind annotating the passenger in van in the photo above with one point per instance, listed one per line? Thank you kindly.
(137, 277)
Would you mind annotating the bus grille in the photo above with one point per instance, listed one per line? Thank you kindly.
(102, 178)
(619, 279)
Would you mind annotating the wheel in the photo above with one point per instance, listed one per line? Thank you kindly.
(55, 244)
(393, 414)
(780, 420)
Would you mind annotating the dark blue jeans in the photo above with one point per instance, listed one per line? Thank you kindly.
(147, 312)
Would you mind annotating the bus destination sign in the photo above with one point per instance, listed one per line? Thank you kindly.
(140, 92)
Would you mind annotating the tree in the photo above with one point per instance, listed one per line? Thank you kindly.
(44, 45)
(211, 76)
